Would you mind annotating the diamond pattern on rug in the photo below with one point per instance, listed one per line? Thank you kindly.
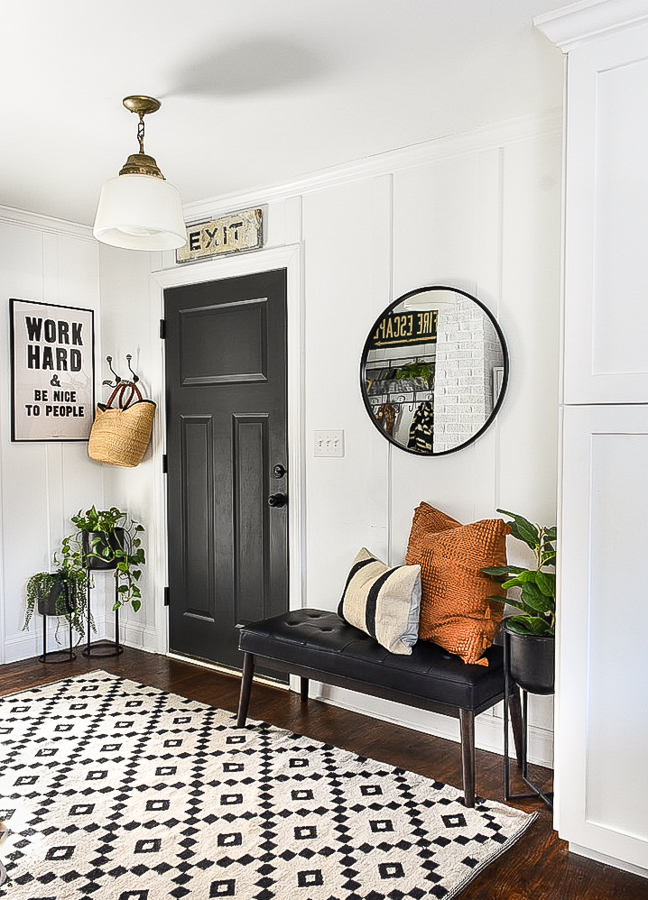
(114, 790)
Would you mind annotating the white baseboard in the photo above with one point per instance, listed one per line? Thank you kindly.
(607, 860)
(489, 734)
(131, 634)
(28, 644)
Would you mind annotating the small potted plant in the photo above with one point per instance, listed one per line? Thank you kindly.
(110, 539)
(62, 593)
(531, 632)
(417, 369)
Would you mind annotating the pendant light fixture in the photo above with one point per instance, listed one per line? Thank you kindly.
(139, 209)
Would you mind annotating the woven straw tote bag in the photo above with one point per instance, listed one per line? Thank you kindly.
(122, 427)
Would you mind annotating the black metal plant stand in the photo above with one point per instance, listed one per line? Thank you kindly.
(545, 796)
(55, 656)
(103, 649)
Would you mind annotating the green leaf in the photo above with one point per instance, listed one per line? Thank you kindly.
(519, 580)
(522, 529)
(502, 570)
(546, 581)
(529, 625)
(535, 600)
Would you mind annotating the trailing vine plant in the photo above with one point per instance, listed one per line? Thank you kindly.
(111, 536)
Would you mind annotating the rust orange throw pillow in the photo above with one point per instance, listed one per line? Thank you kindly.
(455, 610)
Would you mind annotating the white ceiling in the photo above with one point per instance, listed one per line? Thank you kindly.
(254, 92)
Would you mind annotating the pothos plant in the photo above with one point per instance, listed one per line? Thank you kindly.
(111, 537)
(63, 593)
(537, 586)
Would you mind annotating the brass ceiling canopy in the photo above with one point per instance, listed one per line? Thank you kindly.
(140, 163)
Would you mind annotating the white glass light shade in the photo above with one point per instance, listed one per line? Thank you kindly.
(140, 212)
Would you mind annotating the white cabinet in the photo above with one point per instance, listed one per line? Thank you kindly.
(606, 213)
(602, 678)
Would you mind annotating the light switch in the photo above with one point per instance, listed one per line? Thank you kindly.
(329, 443)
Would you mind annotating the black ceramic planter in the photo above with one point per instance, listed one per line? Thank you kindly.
(56, 603)
(95, 544)
(532, 662)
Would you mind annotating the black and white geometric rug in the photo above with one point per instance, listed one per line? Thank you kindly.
(118, 791)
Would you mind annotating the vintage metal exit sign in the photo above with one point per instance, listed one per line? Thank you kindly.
(234, 233)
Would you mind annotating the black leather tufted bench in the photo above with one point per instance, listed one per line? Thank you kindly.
(317, 644)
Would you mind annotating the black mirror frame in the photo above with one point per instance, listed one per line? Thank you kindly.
(363, 365)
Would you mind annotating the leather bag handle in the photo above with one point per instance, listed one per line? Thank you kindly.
(119, 392)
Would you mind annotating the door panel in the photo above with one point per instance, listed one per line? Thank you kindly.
(226, 431)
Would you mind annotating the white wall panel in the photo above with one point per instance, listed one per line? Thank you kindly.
(347, 272)
(447, 230)
(529, 314)
(42, 483)
(130, 326)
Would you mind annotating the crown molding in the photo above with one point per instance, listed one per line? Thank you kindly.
(490, 136)
(49, 224)
(586, 20)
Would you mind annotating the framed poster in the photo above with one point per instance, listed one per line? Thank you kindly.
(52, 372)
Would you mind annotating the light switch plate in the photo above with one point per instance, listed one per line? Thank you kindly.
(329, 443)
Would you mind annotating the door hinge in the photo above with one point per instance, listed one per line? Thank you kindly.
(165, 464)
(162, 329)
(166, 596)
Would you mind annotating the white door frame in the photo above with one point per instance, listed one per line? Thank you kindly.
(288, 258)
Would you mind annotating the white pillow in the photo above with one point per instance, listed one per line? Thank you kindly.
(384, 602)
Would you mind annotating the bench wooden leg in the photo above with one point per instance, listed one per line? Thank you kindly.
(246, 689)
(303, 682)
(467, 723)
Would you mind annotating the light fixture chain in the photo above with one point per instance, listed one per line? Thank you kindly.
(140, 132)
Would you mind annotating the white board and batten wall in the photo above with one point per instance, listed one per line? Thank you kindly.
(601, 726)
(44, 483)
(480, 212)
(41, 483)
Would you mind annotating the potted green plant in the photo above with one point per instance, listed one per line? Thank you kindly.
(110, 539)
(417, 369)
(62, 593)
(531, 631)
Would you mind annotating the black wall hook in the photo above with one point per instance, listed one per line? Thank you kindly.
(118, 379)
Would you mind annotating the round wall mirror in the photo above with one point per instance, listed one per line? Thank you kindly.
(434, 370)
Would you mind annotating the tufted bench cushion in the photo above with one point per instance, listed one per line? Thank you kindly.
(318, 644)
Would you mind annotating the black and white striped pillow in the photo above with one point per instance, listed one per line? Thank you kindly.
(384, 602)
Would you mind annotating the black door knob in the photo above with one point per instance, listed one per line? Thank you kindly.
(277, 500)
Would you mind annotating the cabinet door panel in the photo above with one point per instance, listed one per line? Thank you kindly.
(602, 730)
(606, 264)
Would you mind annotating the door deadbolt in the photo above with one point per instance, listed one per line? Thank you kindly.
(277, 500)
(279, 471)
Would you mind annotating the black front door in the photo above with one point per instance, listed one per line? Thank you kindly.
(227, 458)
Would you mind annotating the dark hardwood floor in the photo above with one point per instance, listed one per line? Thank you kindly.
(538, 867)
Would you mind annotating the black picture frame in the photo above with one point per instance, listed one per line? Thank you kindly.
(52, 371)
